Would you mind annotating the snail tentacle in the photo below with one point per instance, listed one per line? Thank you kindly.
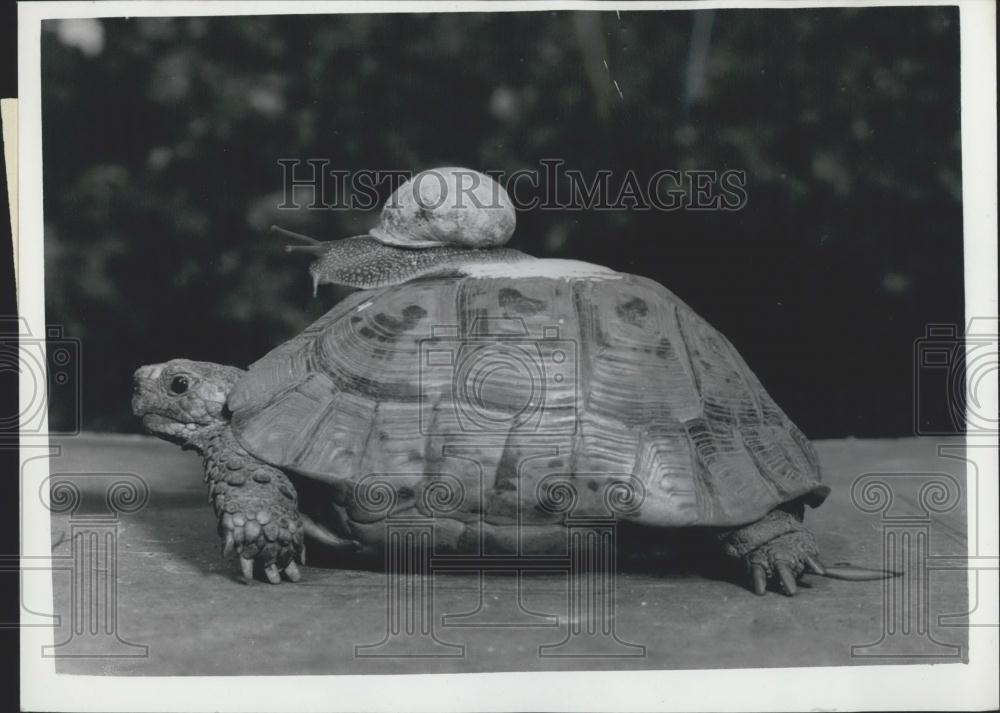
(295, 236)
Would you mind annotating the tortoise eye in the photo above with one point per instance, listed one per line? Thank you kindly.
(179, 385)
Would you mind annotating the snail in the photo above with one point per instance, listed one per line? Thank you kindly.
(442, 221)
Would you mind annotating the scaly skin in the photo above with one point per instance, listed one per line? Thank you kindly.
(256, 506)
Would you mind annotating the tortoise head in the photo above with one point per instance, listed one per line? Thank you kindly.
(180, 400)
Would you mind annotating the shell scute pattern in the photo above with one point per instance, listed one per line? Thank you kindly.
(650, 397)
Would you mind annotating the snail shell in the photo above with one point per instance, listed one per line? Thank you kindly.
(447, 206)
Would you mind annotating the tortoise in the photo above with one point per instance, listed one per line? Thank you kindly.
(500, 399)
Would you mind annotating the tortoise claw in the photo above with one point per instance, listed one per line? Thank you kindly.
(786, 578)
(228, 546)
(272, 574)
(780, 561)
(814, 565)
(292, 572)
(246, 568)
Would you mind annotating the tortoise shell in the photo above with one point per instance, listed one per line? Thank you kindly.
(523, 396)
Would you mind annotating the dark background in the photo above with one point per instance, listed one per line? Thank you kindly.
(162, 136)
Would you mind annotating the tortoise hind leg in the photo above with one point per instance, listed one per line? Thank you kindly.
(777, 548)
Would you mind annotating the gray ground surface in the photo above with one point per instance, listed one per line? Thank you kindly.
(177, 596)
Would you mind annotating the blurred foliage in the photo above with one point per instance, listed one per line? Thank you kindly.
(162, 139)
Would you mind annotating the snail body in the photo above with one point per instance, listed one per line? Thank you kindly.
(367, 264)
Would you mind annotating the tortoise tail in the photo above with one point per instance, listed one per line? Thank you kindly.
(858, 574)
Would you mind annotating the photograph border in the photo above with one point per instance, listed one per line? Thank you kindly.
(909, 687)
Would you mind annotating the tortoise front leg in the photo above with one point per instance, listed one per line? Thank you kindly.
(257, 508)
